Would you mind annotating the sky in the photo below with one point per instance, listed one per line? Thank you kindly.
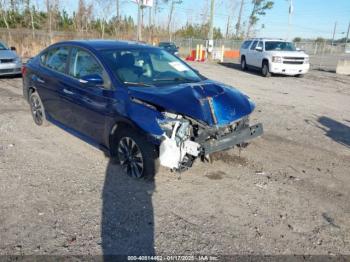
(310, 18)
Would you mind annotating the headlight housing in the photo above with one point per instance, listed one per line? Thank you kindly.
(175, 126)
(277, 59)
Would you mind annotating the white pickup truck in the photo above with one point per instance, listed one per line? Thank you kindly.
(274, 56)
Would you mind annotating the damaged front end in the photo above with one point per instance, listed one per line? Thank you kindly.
(198, 120)
(186, 139)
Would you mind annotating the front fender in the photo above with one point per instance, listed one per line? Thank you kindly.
(145, 118)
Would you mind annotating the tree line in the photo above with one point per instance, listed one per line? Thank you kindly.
(96, 17)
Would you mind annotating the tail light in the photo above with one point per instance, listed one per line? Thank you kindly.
(24, 70)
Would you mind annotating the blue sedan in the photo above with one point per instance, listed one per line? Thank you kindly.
(140, 104)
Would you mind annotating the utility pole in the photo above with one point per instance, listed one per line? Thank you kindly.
(347, 35)
(289, 17)
(150, 26)
(139, 4)
(211, 22)
(238, 25)
(117, 5)
(211, 28)
(335, 28)
(227, 27)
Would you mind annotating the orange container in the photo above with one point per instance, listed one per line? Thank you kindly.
(231, 54)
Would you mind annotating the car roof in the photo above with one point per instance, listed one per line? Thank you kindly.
(99, 44)
(267, 39)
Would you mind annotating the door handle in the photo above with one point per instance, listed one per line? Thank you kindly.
(66, 91)
(38, 79)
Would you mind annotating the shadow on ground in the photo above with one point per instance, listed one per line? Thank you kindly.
(11, 76)
(335, 130)
(237, 66)
(127, 215)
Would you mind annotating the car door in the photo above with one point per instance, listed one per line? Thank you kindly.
(250, 58)
(258, 55)
(50, 81)
(91, 103)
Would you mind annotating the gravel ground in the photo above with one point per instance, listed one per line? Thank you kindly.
(287, 193)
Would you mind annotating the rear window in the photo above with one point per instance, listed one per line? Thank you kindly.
(246, 44)
(56, 59)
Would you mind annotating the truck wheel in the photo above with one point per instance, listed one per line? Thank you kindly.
(137, 157)
(243, 64)
(37, 109)
(265, 71)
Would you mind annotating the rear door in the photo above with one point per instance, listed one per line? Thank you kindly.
(50, 81)
(90, 103)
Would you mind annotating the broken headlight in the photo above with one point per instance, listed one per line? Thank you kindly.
(175, 127)
(177, 150)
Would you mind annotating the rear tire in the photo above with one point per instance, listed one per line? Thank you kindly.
(37, 109)
(265, 71)
(243, 64)
(137, 157)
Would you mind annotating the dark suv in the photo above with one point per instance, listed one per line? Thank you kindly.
(170, 47)
(138, 103)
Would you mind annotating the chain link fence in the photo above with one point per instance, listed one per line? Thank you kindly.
(323, 55)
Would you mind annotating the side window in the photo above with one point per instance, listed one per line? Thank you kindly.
(43, 58)
(260, 44)
(56, 59)
(246, 44)
(254, 45)
(82, 63)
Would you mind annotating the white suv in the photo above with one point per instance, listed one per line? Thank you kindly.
(273, 56)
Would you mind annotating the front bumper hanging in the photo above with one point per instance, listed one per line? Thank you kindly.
(232, 139)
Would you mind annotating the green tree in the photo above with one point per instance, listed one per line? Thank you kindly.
(320, 40)
(259, 9)
(297, 40)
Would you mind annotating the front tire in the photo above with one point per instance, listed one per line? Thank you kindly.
(137, 157)
(37, 109)
(265, 71)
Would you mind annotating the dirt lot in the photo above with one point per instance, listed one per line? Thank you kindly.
(287, 193)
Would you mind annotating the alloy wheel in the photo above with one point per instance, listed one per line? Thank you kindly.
(37, 109)
(130, 157)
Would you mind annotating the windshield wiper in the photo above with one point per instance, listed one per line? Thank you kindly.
(176, 79)
(136, 83)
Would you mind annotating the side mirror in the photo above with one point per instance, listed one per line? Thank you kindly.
(258, 48)
(93, 80)
(13, 48)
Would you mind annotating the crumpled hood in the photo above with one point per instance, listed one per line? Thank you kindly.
(208, 101)
(7, 54)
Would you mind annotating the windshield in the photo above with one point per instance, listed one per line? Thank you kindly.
(279, 46)
(3, 46)
(148, 67)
